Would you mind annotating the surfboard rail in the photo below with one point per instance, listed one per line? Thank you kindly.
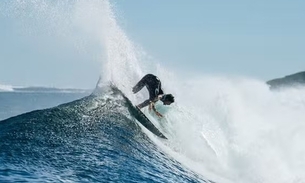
(140, 116)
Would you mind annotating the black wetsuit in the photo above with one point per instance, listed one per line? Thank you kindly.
(153, 85)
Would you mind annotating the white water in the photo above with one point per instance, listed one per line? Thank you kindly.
(6, 88)
(250, 133)
(256, 134)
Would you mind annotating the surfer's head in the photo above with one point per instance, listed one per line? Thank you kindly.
(167, 99)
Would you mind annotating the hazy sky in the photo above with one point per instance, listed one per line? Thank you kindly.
(263, 39)
(260, 39)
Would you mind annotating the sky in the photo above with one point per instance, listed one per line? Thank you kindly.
(259, 39)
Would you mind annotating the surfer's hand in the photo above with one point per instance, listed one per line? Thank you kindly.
(158, 114)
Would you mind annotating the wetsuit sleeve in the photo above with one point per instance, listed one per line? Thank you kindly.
(161, 92)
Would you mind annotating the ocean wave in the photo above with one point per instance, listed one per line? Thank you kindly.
(6, 88)
(93, 139)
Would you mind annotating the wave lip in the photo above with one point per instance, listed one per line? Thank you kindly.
(6, 88)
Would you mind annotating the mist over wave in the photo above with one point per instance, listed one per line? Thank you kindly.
(228, 129)
(240, 130)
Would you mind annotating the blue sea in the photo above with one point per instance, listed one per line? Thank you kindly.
(79, 137)
(90, 136)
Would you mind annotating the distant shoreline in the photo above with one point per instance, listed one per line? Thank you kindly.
(292, 80)
(39, 89)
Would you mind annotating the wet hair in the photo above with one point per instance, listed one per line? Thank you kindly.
(168, 97)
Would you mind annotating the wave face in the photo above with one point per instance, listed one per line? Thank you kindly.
(93, 139)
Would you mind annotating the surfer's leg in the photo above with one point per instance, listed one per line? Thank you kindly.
(143, 104)
(140, 84)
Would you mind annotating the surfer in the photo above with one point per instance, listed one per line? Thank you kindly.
(153, 85)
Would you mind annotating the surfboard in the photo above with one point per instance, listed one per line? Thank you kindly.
(140, 116)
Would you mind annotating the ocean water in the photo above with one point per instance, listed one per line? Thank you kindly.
(14, 103)
(235, 135)
(93, 139)
(220, 129)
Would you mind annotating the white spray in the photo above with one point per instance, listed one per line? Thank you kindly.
(234, 129)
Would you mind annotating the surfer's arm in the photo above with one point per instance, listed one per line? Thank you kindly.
(152, 106)
(152, 102)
